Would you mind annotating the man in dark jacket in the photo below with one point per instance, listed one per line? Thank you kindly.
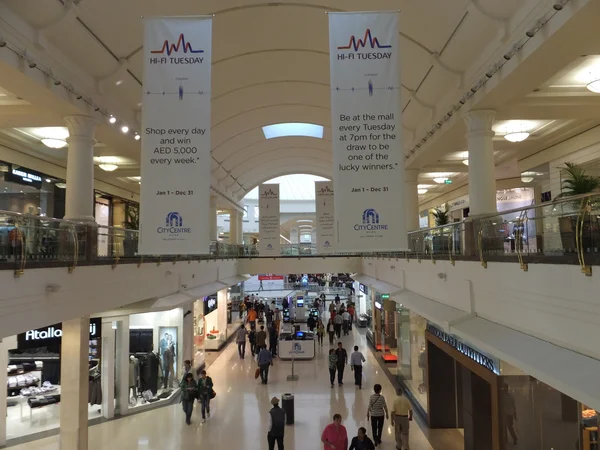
(276, 425)
(362, 441)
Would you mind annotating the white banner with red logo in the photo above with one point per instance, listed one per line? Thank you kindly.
(176, 120)
(325, 232)
(268, 220)
(368, 159)
(270, 277)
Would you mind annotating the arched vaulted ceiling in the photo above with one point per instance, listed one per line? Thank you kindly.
(271, 65)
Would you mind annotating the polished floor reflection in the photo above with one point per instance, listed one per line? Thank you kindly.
(240, 410)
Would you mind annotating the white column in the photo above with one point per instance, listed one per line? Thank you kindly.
(108, 370)
(482, 174)
(411, 182)
(122, 362)
(74, 384)
(240, 221)
(79, 202)
(234, 232)
(3, 376)
(213, 219)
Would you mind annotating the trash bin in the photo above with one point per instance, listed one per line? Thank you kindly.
(287, 403)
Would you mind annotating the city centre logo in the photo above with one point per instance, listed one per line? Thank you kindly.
(268, 193)
(169, 49)
(173, 225)
(370, 221)
(327, 244)
(368, 42)
(297, 348)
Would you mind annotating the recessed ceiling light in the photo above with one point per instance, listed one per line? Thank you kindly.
(119, 82)
(594, 86)
(108, 167)
(440, 180)
(293, 129)
(61, 185)
(112, 119)
(48, 180)
(465, 162)
(108, 159)
(304, 220)
(54, 143)
(422, 191)
(125, 129)
(518, 136)
(137, 137)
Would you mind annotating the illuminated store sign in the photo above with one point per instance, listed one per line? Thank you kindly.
(23, 175)
(28, 177)
(490, 363)
(51, 336)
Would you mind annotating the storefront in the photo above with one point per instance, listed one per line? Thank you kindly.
(497, 406)
(144, 364)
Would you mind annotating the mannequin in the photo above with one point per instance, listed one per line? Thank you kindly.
(134, 374)
(167, 367)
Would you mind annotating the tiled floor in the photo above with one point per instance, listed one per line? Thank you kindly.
(240, 411)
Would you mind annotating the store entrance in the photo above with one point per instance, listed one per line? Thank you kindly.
(463, 395)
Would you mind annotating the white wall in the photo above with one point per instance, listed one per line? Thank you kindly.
(556, 303)
(25, 303)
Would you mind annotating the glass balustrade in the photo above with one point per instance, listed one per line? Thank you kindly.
(565, 231)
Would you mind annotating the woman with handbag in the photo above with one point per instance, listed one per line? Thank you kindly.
(205, 393)
(189, 392)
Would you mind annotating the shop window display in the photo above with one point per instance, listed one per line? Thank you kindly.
(412, 357)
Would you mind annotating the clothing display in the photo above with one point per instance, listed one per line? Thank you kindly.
(149, 369)
(44, 400)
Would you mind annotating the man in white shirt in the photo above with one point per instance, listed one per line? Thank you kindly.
(356, 361)
(402, 415)
(346, 324)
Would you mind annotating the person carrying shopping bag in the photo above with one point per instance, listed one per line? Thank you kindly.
(189, 391)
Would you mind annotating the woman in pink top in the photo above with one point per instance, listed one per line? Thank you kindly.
(334, 435)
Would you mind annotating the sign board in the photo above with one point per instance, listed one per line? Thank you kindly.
(50, 336)
(269, 234)
(325, 217)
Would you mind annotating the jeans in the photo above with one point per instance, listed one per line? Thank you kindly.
(273, 348)
(340, 371)
(320, 338)
(331, 334)
(377, 428)
(332, 375)
(253, 348)
(205, 401)
(358, 375)
(346, 327)
(338, 329)
(264, 373)
(241, 348)
(253, 324)
(188, 407)
(273, 439)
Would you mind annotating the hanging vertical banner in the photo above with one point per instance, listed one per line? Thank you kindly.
(325, 217)
(176, 120)
(294, 236)
(268, 221)
(368, 159)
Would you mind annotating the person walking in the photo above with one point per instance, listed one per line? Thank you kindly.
(335, 436)
(265, 360)
(342, 361)
(205, 389)
(362, 441)
(252, 340)
(252, 315)
(356, 360)
(332, 359)
(320, 332)
(376, 412)
(338, 321)
(260, 286)
(346, 322)
(240, 339)
(189, 391)
(331, 331)
(261, 337)
(273, 338)
(311, 323)
(276, 425)
(187, 368)
(402, 415)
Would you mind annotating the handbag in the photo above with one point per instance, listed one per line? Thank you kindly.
(213, 394)
(256, 373)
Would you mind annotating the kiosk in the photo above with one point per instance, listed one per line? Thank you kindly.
(298, 346)
(299, 309)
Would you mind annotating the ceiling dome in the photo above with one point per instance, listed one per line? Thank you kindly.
(292, 187)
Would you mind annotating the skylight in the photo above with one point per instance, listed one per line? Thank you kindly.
(293, 129)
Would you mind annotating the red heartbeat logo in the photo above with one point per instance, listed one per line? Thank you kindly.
(173, 48)
(361, 43)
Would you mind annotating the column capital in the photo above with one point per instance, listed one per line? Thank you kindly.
(81, 126)
(411, 175)
(480, 120)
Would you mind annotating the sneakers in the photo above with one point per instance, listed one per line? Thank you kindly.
(208, 414)
(203, 420)
(332, 386)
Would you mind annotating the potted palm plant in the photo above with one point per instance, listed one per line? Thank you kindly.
(577, 182)
(439, 240)
(131, 225)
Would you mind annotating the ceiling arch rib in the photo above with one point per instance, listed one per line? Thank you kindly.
(256, 178)
(282, 156)
(216, 98)
(259, 110)
(247, 158)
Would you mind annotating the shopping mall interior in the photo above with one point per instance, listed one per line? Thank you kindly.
(176, 175)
